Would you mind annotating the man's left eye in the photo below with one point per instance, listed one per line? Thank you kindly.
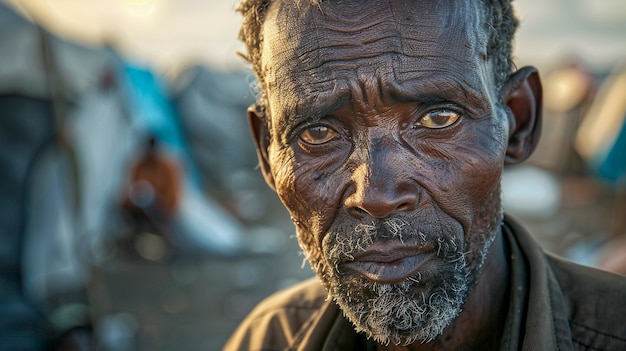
(318, 135)
(438, 119)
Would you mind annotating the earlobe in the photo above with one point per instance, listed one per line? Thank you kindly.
(522, 94)
(261, 137)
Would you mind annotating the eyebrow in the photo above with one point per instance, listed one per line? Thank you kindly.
(435, 88)
(311, 109)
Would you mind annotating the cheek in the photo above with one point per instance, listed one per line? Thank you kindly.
(309, 187)
(481, 188)
(319, 189)
(466, 174)
(283, 171)
(485, 166)
(484, 172)
(310, 194)
(484, 195)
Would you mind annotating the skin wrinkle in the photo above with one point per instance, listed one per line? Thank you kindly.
(499, 23)
(326, 55)
(301, 103)
(443, 90)
(431, 86)
(346, 66)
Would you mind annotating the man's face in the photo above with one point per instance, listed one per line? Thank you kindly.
(386, 147)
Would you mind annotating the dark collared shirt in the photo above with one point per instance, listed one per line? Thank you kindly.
(555, 305)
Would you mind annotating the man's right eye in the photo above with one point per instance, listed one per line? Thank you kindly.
(317, 135)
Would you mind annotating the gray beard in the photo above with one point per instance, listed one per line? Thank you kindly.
(404, 312)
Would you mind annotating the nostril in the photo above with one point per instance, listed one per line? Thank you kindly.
(380, 206)
(406, 206)
(357, 212)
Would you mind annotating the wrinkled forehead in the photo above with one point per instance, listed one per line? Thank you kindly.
(308, 48)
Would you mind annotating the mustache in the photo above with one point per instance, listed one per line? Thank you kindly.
(341, 244)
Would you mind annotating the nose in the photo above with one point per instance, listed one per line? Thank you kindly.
(380, 191)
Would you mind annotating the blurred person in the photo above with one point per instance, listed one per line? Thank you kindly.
(154, 185)
(384, 127)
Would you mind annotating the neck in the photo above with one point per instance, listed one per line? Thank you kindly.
(481, 323)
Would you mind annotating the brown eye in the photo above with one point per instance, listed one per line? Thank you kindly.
(317, 135)
(438, 119)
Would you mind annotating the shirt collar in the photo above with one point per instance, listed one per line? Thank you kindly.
(537, 318)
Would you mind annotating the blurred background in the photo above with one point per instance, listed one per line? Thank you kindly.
(133, 214)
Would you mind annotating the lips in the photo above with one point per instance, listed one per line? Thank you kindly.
(389, 263)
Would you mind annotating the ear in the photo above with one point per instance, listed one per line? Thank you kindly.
(261, 136)
(522, 94)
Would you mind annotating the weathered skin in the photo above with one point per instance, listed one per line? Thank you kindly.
(347, 139)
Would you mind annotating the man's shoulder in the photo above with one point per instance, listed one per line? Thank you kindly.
(572, 274)
(276, 322)
(307, 295)
(596, 301)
